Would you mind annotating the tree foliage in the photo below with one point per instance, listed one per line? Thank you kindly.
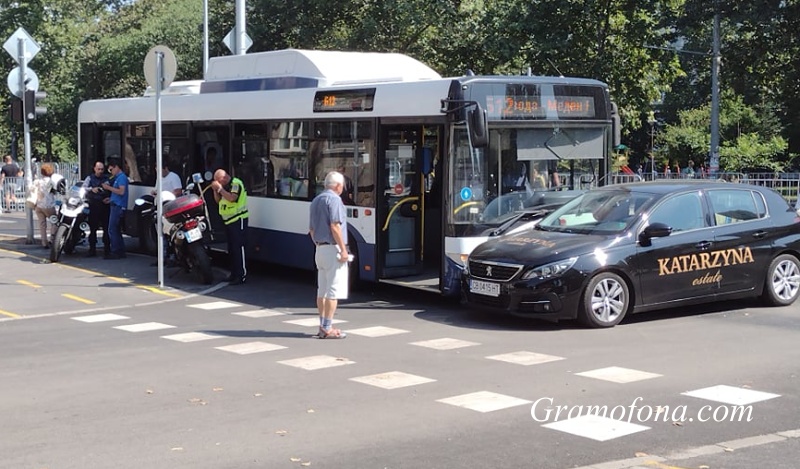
(749, 137)
(96, 48)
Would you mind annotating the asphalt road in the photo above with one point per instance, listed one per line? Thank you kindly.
(230, 377)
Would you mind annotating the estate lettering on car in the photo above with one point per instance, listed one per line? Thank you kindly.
(521, 241)
(705, 261)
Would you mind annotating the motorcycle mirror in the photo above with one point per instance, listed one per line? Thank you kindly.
(197, 178)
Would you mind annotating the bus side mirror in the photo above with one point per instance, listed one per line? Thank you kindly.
(476, 126)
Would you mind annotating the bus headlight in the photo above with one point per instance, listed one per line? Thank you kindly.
(554, 269)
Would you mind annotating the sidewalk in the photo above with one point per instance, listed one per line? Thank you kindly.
(137, 267)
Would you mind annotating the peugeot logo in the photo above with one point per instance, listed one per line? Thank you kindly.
(488, 271)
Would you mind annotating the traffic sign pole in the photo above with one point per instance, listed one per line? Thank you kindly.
(160, 166)
(26, 130)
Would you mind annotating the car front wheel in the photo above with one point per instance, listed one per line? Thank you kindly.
(605, 300)
(783, 281)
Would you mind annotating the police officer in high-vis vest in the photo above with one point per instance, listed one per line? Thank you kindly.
(231, 196)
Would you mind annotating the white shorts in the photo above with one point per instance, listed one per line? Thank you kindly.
(332, 275)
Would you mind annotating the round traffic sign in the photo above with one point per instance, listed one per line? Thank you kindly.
(32, 81)
(169, 67)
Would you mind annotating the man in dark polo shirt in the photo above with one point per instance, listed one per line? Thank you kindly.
(9, 188)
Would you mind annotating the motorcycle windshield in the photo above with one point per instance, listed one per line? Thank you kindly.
(76, 191)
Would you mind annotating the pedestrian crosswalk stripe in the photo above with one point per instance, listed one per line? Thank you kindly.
(250, 347)
(484, 401)
(215, 305)
(617, 374)
(101, 318)
(525, 358)
(392, 380)
(259, 313)
(445, 343)
(311, 322)
(317, 362)
(596, 427)
(731, 395)
(191, 337)
(144, 327)
(376, 331)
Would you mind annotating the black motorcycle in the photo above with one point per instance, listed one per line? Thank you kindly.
(184, 224)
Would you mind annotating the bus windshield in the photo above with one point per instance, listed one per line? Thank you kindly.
(523, 167)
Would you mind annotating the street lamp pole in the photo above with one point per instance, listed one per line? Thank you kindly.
(652, 123)
(715, 60)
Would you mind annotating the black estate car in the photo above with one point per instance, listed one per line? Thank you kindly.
(639, 247)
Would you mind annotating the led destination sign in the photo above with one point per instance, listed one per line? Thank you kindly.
(538, 107)
(344, 101)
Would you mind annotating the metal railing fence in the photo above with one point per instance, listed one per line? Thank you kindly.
(13, 190)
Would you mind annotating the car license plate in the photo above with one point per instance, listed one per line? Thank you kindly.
(194, 235)
(484, 288)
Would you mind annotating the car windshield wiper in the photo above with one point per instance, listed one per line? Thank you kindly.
(523, 216)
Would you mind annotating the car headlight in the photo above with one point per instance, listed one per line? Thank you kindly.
(554, 269)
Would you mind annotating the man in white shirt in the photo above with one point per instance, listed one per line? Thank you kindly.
(170, 181)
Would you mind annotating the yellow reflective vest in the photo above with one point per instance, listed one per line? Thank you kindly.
(234, 211)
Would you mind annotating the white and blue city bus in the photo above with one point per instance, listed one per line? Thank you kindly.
(432, 164)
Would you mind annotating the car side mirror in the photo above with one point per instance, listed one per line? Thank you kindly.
(655, 230)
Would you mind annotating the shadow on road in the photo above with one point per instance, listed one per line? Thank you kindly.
(261, 334)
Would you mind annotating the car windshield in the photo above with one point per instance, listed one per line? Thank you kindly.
(599, 212)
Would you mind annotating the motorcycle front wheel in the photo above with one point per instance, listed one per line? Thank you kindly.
(200, 263)
(72, 241)
(58, 242)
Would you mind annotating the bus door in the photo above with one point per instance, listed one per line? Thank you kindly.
(212, 152)
(400, 224)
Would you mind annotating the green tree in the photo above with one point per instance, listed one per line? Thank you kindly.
(749, 137)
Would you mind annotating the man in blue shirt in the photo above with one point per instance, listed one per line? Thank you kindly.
(118, 186)
(328, 230)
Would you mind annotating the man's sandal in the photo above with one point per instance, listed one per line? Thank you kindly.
(332, 333)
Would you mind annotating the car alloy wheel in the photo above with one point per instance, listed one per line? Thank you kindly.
(783, 281)
(605, 300)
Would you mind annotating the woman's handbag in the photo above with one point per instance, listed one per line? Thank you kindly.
(33, 197)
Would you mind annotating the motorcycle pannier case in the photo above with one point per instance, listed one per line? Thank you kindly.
(185, 206)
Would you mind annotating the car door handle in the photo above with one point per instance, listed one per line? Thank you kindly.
(759, 234)
(703, 245)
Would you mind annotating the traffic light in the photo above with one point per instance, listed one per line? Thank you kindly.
(32, 107)
(16, 110)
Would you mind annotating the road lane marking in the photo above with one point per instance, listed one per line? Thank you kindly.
(188, 296)
(158, 291)
(28, 284)
(9, 314)
(78, 298)
(659, 465)
(697, 451)
(122, 280)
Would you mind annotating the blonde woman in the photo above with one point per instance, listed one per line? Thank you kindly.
(46, 202)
